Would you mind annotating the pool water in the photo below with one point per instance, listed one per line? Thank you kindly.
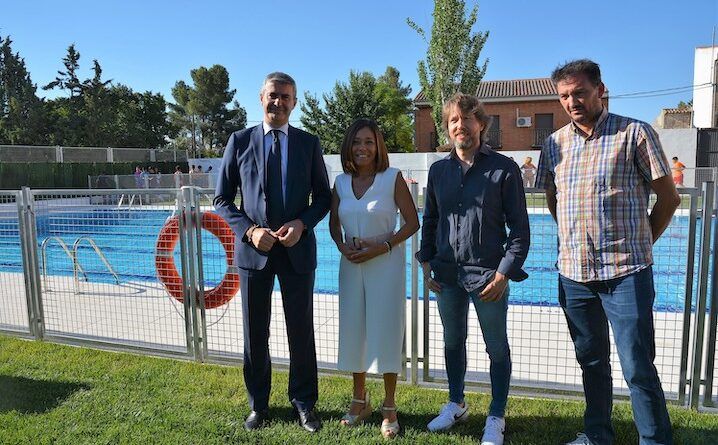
(128, 239)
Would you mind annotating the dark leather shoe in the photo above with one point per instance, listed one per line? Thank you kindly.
(256, 420)
(308, 419)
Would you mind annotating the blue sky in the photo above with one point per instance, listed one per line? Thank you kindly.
(641, 45)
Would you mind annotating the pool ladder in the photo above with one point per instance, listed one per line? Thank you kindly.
(76, 267)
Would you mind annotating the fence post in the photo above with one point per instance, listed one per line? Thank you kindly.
(712, 315)
(190, 230)
(700, 314)
(31, 268)
(414, 296)
(110, 154)
(200, 313)
(58, 154)
(187, 288)
(425, 295)
(24, 247)
(688, 299)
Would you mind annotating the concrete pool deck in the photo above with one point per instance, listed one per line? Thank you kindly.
(141, 314)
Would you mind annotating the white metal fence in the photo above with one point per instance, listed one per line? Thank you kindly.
(81, 267)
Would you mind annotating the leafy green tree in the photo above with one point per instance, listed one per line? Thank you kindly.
(201, 110)
(184, 118)
(685, 105)
(139, 119)
(451, 63)
(98, 113)
(23, 118)
(396, 103)
(383, 99)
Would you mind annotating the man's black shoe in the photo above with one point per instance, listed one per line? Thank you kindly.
(308, 419)
(256, 419)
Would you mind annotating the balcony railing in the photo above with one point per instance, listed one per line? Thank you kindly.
(540, 135)
(493, 138)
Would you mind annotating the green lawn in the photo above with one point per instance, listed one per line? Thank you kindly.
(53, 394)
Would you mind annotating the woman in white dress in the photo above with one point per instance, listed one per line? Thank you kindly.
(372, 271)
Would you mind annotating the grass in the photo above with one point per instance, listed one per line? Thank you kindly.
(54, 394)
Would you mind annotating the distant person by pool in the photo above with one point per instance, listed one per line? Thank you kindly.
(677, 171)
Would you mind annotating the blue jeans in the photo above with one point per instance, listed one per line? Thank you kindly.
(627, 303)
(453, 302)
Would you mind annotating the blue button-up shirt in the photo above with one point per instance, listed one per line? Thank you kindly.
(466, 216)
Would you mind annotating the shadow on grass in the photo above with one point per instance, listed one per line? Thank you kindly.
(520, 430)
(29, 396)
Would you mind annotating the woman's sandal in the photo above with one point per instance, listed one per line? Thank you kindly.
(389, 429)
(356, 419)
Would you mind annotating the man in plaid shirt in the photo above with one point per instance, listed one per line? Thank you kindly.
(598, 172)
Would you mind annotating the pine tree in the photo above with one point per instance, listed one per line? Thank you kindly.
(23, 118)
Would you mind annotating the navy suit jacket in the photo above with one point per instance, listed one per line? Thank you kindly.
(243, 168)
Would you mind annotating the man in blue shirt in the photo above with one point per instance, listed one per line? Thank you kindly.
(472, 196)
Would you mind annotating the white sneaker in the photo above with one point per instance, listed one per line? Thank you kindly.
(581, 439)
(448, 416)
(494, 431)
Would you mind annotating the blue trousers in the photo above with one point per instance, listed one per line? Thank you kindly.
(453, 303)
(627, 303)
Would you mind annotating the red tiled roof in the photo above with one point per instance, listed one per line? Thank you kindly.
(516, 88)
(494, 89)
(508, 89)
(678, 110)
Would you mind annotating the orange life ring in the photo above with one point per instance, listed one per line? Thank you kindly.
(167, 270)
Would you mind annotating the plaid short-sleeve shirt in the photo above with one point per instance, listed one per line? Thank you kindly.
(602, 185)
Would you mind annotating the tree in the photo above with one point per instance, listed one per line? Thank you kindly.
(23, 118)
(96, 108)
(685, 105)
(451, 63)
(183, 117)
(139, 119)
(67, 119)
(98, 113)
(201, 110)
(382, 99)
(68, 80)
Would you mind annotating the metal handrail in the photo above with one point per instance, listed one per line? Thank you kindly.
(99, 254)
(75, 265)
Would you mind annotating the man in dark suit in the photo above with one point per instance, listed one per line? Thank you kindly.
(276, 168)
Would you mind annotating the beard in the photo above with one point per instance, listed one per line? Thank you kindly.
(467, 143)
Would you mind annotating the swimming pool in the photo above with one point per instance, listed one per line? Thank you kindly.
(128, 238)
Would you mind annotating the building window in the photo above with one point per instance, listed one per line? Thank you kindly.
(544, 127)
(493, 134)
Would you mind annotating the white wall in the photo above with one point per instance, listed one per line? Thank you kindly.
(703, 97)
(679, 142)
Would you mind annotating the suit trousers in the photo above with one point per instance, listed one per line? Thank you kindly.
(297, 300)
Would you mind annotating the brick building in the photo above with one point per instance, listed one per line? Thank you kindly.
(524, 112)
(675, 118)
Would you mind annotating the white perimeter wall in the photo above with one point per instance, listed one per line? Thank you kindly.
(679, 142)
(703, 97)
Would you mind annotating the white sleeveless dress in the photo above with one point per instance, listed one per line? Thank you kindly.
(372, 295)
